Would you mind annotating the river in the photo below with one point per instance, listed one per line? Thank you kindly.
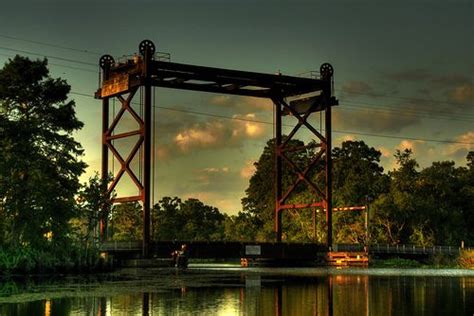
(231, 290)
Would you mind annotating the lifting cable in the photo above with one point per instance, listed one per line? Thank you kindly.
(140, 151)
(113, 118)
(153, 151)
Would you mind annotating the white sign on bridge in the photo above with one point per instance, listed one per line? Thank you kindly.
(253, 250)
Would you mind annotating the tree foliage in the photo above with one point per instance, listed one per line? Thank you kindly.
(188, 220)
(126, 221)
(39, 164)
(259, 201)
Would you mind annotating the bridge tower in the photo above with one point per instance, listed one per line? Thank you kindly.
(296, 97)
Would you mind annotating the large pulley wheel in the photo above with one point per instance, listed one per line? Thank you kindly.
(146, 46)
(106, 61)
(326, 71)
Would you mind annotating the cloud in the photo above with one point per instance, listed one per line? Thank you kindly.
(459, 150)
(410, 144)
(201, 136)
(355, 88)
(409, 75)
(386, 153)
(373, 120)
(242, 105)
(424, 153)
(452, 79)
(218, 133)
(462, 94)
(247, 170)
(217, 186)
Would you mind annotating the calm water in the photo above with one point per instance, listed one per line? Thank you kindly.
(225, 290)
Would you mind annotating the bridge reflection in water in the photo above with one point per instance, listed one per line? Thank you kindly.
(218, 292)
(330, 295)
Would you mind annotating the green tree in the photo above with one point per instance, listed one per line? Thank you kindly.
(188, 220)
(166, 219)
(94, 204)
(259, 201)
(126, 221)
(39, 158)
(395, 210)
(358, 177)
(241, 227)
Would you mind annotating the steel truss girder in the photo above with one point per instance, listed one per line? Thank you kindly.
(125, 85)
(282, 147)
(125, 163)
(218, 80)
(143, 71)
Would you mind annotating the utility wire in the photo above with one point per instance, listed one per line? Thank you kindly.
(51, 45)
(359, 107)
(403, 98)
(286, 125)
(236, 118)
(396, 108)
(53, 57)
(300, 74)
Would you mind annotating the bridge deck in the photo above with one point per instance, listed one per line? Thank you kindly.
(203, 249)
(222, 249)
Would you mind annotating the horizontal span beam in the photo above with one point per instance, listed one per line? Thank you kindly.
(253, 78)
(211, 88)
(219, 80)
(124, 135)
(297, 206)
(351, 208)
(127, 199)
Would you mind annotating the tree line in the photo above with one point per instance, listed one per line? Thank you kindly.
(48, 218)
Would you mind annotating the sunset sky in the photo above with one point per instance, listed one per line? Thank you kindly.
(403, 69)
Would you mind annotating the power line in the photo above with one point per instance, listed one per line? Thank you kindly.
(340, 90)
(60, 65)
(216, 115)
(51, 45)
(98, 54)
(406, 109)
(271, 123)
(53, 57)
(359, 107)
(403, 98)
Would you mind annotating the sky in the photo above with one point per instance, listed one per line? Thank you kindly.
(403, 75)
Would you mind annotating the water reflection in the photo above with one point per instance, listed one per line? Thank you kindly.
(266, 294)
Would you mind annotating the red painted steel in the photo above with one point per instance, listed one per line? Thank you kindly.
(143, 71)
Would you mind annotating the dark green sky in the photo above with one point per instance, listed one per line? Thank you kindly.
(402, 68)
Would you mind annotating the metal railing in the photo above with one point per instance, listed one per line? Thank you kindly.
(402, 249)
(374, 249)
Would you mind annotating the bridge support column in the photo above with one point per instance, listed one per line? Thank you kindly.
(319, 151)
(147, 52)
(105, 63)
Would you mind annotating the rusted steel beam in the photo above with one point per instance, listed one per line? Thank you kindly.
(126, 199)
(300, 148)
(349, 208)
(105, 163)
(147, 51)
(213, 88)
(282, 82)
(302, 205)
(328, 175)
(302, 176)
(278, 170)
(124, 135)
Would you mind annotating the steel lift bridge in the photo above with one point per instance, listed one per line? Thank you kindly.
(122, 80)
